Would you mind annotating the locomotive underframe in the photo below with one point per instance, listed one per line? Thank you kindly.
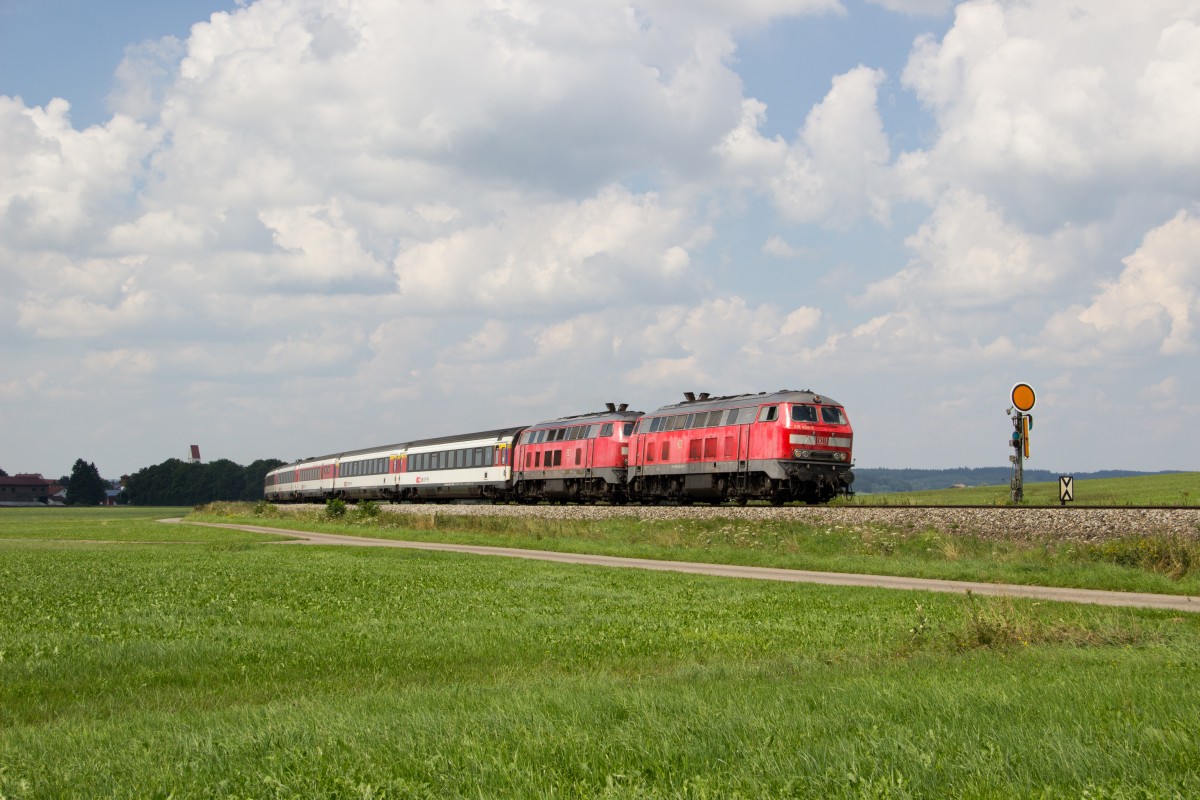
(766, 479)
(571, 485)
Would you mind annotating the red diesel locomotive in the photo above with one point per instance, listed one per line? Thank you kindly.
(576, 459)
(778, 447)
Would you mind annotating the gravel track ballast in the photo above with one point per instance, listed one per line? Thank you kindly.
(1070, 523)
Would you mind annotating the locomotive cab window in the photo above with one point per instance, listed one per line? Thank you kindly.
(804, 413)
(768, 414)
(628, 428)
(833, 415)
(606, 430)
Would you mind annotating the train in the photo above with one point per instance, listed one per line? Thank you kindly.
(777, 447)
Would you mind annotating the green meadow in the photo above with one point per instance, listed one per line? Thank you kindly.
(144, 660)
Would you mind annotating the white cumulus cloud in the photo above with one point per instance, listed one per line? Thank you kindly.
(1152, 306)
(837, 169)
(1056, 108)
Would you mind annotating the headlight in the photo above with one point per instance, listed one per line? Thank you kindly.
(801, 453)
(839, 456)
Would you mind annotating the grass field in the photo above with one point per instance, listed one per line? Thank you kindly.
(170, 661)
(1181, 489)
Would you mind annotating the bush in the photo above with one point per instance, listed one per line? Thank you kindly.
(335, 508)
(1166, 555)
(264, 509)
(367, 509)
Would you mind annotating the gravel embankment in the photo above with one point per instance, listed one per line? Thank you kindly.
(1079, 524)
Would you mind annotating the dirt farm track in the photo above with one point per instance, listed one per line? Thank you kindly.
(1079, 524)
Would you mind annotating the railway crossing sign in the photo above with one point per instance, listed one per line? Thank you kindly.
(1066, 489)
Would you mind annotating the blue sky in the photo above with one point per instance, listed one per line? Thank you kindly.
(279, 229)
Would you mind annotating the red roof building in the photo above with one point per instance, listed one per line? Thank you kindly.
(26, 489)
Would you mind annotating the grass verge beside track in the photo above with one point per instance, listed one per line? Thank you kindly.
(1158, 564)
(199, 670)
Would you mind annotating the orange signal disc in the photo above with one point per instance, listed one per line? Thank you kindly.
(1023, 397)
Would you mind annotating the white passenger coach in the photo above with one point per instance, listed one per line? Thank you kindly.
(467, 466)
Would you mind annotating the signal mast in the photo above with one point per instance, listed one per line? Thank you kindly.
(1023, 399)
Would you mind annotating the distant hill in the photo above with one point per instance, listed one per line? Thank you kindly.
(878, 480)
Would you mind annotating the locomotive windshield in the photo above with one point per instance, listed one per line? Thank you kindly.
(804, 413)
(833, 415)
(830, 415)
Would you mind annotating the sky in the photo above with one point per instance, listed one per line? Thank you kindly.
(278, 229)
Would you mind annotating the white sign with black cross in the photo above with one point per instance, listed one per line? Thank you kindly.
(1066, 489)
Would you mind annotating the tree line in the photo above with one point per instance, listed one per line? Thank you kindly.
(180, 483)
